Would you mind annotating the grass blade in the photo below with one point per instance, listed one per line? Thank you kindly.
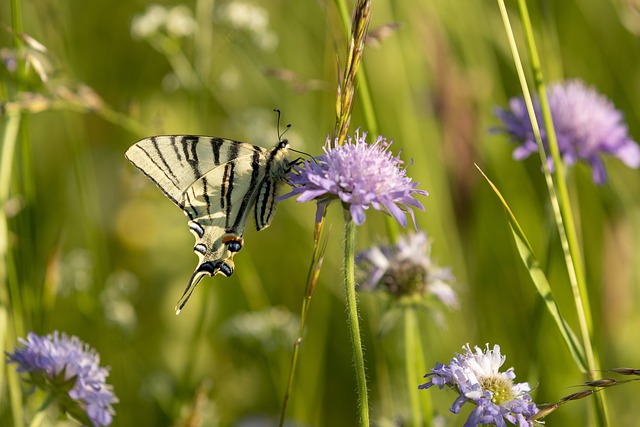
(542, 284)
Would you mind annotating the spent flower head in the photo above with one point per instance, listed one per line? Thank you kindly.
(587, 126)
(360, 175)
(406, 270)
(70, 370)
(476, 376)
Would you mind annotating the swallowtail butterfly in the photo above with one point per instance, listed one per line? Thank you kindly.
(217, 183)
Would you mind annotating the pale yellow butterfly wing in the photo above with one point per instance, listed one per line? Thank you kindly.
(217, 183)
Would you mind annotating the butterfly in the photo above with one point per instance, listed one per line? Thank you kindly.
(217, 183)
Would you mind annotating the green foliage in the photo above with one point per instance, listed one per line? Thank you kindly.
(94, 249)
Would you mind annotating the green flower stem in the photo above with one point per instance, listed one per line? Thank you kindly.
(352, 316)
(180, 64)
(421, 369)
(413, 354)
(385, 390)
(561, 205)
(203, 41)
(38, 418)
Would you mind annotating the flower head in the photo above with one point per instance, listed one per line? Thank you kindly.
(70, 369)
(174, 22)
(252, 20)
(406, 270)
(360, 175)
(477, 378)
(587, 125)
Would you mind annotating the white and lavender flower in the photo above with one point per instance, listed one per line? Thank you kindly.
(477, 378)
(587, 126)
(70, 370)
(360, 175)
(406, 269)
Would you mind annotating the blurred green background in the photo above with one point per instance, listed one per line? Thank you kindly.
(100, 253)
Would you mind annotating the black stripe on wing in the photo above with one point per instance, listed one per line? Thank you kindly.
(173, 178)
(265, 203)
(152, 179)
(226, 188)
(216, 144)
(205, 195)
(175, 148)
(189, 144)
(249, 196)
(266, 199)
(188, 207)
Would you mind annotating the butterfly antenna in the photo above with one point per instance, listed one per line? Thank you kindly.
(280, 135)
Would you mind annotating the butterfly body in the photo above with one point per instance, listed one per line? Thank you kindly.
(217, 183)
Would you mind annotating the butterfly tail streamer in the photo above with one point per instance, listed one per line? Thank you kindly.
(191, 286)
(205, 268)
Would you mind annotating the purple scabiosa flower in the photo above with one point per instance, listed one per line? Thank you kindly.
(360, 175)
(477, 378)
(70, 370)
(587, 125)
(406, 271)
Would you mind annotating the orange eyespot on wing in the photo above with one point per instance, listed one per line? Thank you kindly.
(234, 243)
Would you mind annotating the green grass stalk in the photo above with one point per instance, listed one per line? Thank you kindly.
(364, 92)
(9, 290)
(319, 247)
(355, 51)
(559, 197)
(9, 141)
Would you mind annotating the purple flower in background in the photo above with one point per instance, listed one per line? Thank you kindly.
(587, 125)
(360, 175)
(70, 369)
(406, 270)
(477, 378)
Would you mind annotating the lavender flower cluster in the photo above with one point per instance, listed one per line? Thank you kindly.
(586, 123)
(71, 371)
(476, 377)
(360, 175)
